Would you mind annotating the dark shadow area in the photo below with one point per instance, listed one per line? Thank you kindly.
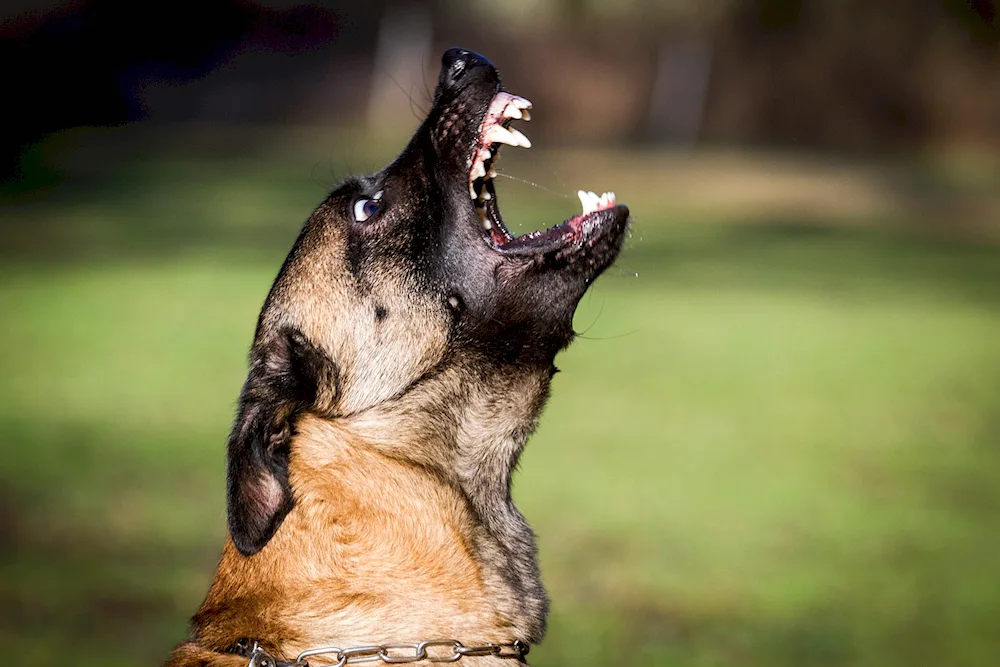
(89, 63)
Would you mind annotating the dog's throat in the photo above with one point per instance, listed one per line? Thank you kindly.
(379, 547)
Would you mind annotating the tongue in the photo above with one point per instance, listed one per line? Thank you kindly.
(498, 236)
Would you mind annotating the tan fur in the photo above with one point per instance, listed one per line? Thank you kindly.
(385, 549)
(319, 295)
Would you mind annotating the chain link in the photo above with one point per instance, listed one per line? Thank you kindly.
(394, 654)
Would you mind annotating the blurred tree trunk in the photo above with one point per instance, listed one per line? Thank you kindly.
(679, 91)
(399, 90)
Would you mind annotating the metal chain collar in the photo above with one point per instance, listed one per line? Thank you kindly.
(396, 653)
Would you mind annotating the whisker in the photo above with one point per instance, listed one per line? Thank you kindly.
(591, 325)
(419, 112)
(561, 195)
(628, 333)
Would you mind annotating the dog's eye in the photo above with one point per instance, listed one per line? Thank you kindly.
(366, 208)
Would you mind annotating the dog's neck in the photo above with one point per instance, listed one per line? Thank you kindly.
(390, 541)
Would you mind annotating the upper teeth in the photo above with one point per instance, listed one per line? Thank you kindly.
(511, 111)
(503, 108)
(514, 111)
(592, 202)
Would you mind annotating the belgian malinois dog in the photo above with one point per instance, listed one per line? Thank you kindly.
(400, 362)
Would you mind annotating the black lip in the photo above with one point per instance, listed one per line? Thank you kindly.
(573, 236)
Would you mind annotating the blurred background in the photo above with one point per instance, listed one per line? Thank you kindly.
(777, 440)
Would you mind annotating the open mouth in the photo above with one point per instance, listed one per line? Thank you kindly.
(495, 131)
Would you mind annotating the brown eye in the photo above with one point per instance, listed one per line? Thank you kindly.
(366, 208)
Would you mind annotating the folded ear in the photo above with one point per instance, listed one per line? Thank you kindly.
(287, 373)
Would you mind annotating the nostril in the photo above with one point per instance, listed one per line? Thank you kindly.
(458, 66)
(455, 58)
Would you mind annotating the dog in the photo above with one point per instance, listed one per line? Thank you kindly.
(400, 362)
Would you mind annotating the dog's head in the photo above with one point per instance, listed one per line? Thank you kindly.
(403, 274)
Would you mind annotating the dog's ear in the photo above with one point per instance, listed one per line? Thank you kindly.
(287, 375)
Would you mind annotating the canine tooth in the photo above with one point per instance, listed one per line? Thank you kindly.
(525, 115)
(492, 173)
(486, 196)
(500, 134)
(472, 191)
(521, 139)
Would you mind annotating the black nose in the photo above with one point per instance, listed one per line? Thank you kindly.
(461, 68)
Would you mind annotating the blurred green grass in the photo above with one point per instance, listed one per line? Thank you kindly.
(777, 441)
